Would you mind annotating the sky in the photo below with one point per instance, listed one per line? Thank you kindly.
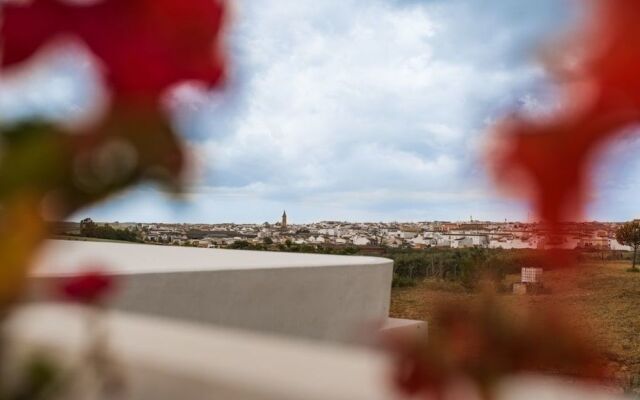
(351, 110)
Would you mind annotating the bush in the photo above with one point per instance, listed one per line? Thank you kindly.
(402, 281)
(630, 384)
(239, 244)
(88, 228)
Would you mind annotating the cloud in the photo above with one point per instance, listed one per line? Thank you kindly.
(357, 110)
(61, 84)
(249, 205)
(383, 95)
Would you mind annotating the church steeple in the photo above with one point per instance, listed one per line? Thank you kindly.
(284, 220)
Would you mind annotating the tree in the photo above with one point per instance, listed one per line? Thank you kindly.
(88, 227)
(629, 235)
(239, 244)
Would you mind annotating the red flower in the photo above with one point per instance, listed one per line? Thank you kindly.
(484, 342)
(145, 45)
(551, 160)
(87, 288)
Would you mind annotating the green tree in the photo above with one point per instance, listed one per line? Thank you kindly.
(239, 245)
(629, 235)
(88, 227)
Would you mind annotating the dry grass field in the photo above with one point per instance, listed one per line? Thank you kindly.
(600, 298)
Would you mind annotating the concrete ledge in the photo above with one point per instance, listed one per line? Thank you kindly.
(409, 326)
(308, 295)
(168, 359)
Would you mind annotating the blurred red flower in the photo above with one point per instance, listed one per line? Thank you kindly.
(550, 160)
(483, 342)
(90, 287)
(145, 45)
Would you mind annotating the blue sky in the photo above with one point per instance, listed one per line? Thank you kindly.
(350, 110)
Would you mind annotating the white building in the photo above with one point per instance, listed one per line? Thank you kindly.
(361, 241)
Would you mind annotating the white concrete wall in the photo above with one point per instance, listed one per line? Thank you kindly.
(312, 296)
(164, 359)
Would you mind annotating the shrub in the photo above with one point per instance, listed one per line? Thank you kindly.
(402, 281)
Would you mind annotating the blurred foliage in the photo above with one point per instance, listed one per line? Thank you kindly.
(549, 160)
(144, 47)
(38, 377)
(47, 173)
(90, 229)
(483, 342)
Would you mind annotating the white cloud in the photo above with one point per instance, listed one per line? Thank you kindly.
(365, 109)
(348, 95)
(60, 83)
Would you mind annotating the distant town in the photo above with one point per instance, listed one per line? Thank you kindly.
(362, 235)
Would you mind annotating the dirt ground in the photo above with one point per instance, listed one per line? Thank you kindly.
(602, 299)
